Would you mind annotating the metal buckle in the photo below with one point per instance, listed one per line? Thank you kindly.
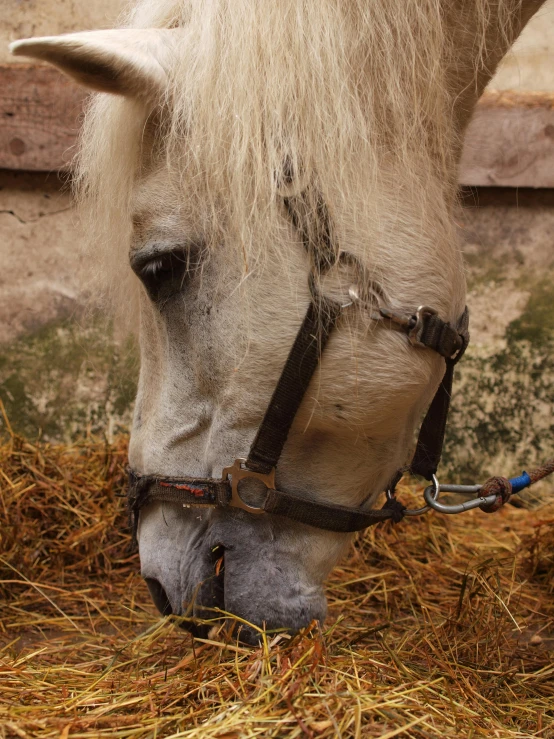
(237, 473)
(414, 332)
(432, 492)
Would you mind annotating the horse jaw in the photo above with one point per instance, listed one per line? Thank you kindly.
(128, 62)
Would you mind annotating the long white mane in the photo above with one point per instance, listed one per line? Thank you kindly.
(355, 96)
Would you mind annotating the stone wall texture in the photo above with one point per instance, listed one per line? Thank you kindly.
(502, 415)
(25, 18)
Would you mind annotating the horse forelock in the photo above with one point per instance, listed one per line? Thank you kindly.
(353, 97)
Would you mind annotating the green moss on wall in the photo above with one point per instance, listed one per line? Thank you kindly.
(67, 379)
(536, 323)
(502, 412)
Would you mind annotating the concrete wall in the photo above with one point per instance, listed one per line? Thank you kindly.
(530, 64)
(38, 252)
(61, 371)
(24, 18)
(504, 395)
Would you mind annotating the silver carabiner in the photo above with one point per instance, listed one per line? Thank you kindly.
(432, 492)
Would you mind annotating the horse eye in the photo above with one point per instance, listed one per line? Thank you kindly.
(164, 275)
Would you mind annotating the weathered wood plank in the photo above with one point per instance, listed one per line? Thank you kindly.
(39, 117)
(509, 142)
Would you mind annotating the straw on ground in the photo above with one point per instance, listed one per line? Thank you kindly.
(437, 627)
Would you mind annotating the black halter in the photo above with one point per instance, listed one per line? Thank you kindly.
(423, 328)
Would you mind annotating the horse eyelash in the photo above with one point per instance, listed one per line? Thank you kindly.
(160, 272)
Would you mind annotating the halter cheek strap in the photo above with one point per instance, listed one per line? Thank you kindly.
(430, 441)
(303, 359)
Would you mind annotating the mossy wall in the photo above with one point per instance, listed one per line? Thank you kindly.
(68, 379)
(502, 412)
(62, 374)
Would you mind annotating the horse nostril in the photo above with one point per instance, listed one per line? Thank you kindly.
(159, 596)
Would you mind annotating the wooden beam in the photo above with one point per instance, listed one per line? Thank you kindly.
(39, 117)
(509, 142)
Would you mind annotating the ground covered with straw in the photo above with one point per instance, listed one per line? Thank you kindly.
(438, 627)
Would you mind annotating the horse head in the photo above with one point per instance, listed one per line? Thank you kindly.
(204, 163)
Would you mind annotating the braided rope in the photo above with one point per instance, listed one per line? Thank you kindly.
(499, 486)
(504, 488)
(543, 471)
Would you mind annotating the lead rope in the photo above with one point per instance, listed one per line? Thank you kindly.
(491, 495)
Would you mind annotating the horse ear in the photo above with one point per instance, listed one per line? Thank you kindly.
(130, 62)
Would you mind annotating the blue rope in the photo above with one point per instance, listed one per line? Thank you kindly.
(521, 482)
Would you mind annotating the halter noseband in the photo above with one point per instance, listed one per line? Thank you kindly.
(423, 328)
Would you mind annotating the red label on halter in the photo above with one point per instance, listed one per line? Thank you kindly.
(195, 491)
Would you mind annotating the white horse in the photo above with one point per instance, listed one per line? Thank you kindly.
(215, 111)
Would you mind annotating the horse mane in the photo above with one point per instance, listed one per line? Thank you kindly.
(352, 95)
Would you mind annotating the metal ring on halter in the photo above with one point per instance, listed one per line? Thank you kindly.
(414, 332)
(432, 492)
(414, 511)
(356, 290)
(240, 472)
(317, 296)
(353, 295)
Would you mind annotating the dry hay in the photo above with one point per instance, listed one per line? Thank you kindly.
(437, 627)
